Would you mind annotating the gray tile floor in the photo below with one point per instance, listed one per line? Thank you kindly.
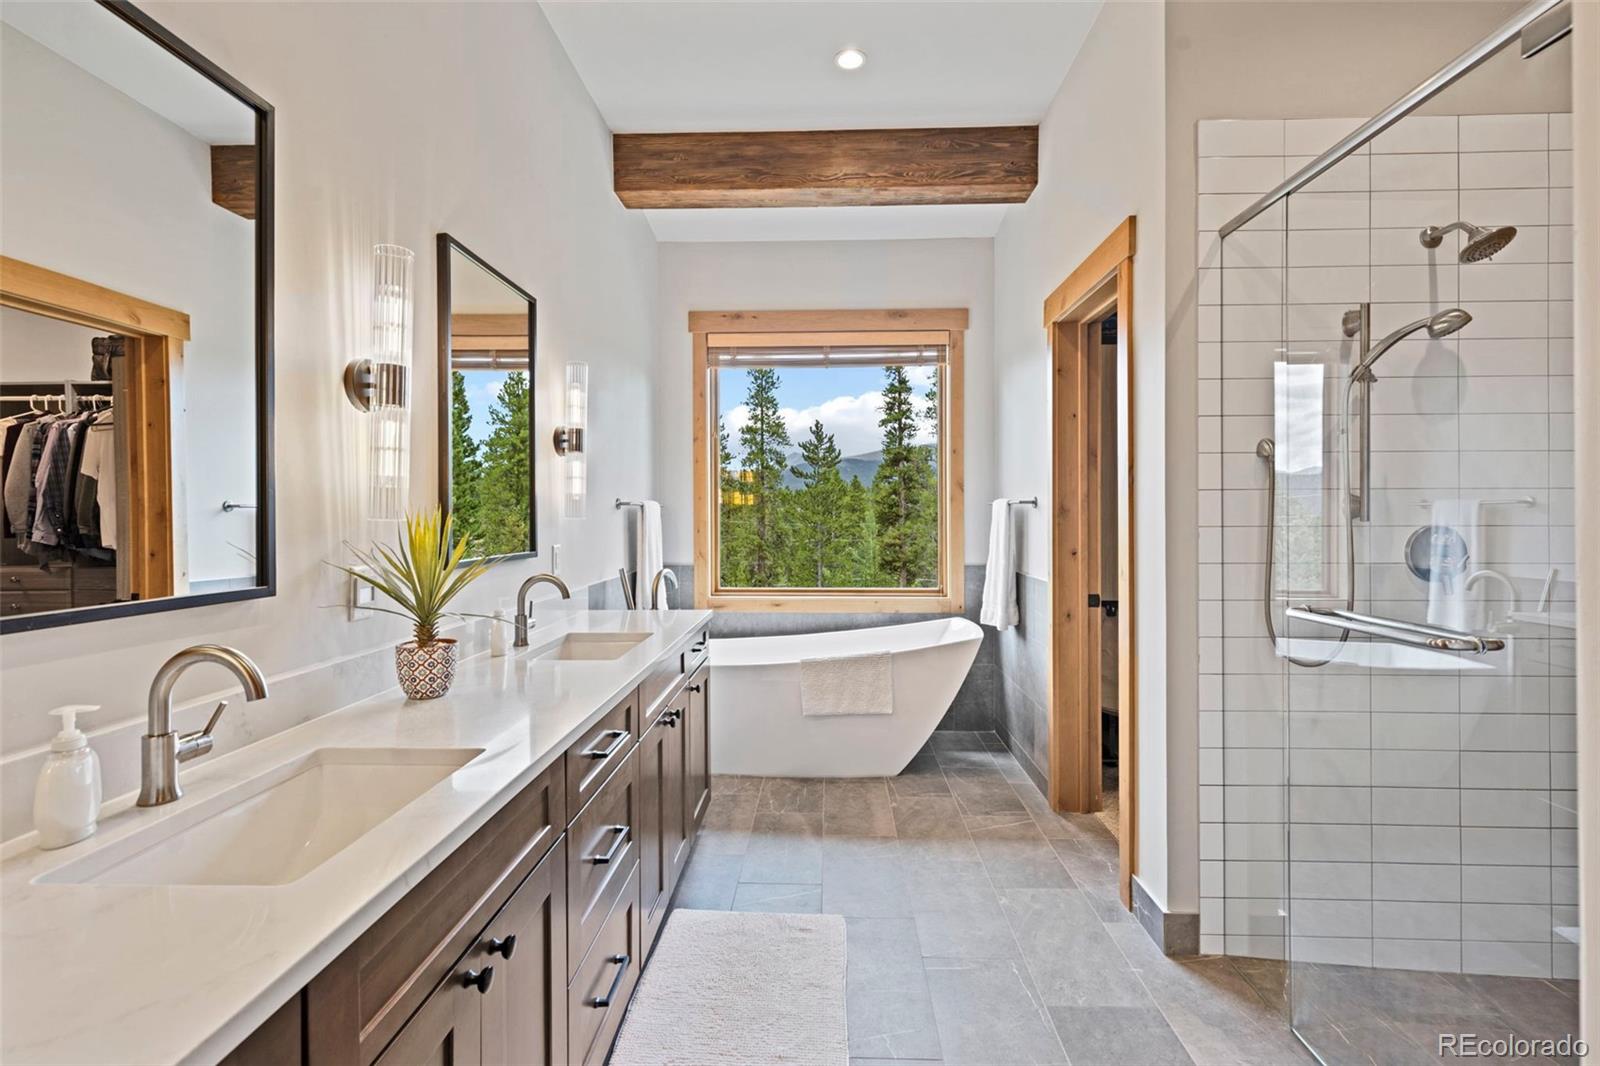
(981, 926)
(1360, 1016)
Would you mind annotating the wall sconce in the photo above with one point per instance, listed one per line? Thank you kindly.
(380, 384)
(569, 442)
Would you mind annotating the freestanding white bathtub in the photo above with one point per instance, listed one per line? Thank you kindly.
(756, 724)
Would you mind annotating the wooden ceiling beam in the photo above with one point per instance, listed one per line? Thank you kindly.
(817, 168)
(233, 178)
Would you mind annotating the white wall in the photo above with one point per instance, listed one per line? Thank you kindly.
(1101, 151)
(147, 227)
(380, 138)
(820, 275)
(37, 348)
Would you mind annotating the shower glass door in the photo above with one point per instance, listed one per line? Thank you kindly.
(1424, 651)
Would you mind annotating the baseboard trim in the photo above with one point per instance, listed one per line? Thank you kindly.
(1039, 778)
(1175, 933)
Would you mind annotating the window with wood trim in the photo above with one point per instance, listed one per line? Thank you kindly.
(828, 460)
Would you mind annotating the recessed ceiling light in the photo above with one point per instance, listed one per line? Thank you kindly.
(850, 59)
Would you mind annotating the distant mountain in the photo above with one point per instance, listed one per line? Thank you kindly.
(861, 466)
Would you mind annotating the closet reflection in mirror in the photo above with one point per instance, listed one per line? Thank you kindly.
(135, 218)
(486, 348)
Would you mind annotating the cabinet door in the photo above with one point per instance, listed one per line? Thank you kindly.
(674, 795)
(697, 750)
(447, 1029)
(655, 862)
(525, 1008)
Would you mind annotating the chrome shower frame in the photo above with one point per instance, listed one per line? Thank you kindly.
(1537, 26)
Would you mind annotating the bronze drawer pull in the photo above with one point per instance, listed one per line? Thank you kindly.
(502, 945)
(616, 846)
(616, 982)
(616, 746)
(480, 979)
(694, 688)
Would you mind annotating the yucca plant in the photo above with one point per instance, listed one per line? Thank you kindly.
(422, 574)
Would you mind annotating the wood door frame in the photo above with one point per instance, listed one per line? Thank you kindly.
(155, 336)
(1102, 282)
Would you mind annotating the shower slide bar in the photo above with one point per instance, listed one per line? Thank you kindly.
(1455, 69)
(1396, 630)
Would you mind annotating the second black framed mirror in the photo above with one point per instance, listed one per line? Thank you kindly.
(487, 341)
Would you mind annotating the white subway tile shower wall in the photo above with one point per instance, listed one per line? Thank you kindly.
(1352, 814)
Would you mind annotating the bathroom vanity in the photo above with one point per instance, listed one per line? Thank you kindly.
(502, 915)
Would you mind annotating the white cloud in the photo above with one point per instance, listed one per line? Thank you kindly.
(853, 421)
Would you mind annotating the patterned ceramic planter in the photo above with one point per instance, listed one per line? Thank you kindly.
(426, 670)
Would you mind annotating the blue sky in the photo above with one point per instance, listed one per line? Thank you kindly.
(482, 387)
(849, 400)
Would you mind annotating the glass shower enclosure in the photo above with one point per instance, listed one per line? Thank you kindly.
(1398, 616)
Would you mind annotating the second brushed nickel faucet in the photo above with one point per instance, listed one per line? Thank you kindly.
(655, 586)
(522, 623)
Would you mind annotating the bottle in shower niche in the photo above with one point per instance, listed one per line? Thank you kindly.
(66, 800)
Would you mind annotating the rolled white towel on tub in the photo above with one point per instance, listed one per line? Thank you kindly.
(847, 684)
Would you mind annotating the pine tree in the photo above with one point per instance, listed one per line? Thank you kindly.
(862, 543)
(504, 515)
(466, 464)
(822, 531)
(735, 535)
(765, 439)
(904, 492)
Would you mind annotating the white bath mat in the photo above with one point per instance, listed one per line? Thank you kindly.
(740, 989)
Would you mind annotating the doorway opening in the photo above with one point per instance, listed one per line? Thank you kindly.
(1093, 705)
(1105, 329)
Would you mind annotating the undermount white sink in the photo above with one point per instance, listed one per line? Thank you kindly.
(593, 646)
(275, 828)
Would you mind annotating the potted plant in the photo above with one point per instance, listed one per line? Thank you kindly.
(421, 575)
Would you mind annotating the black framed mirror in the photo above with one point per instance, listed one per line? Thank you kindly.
(487, 341)
(135, 321)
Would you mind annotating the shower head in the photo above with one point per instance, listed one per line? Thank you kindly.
(1265, 448)
(1438, 325)
(1482, 241)
(1447, 322)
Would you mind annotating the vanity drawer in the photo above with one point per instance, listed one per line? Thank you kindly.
(599, 993)
(602, 853)
(600, 751)
(29, 602)
(33, 579)
(663, 681)
(94, 577)
(356, 1005)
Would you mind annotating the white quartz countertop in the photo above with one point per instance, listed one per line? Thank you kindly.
(162, 974)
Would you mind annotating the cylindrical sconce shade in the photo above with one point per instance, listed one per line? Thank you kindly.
(571, 442)
(389, 445)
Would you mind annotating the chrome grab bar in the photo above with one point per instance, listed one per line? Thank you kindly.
(1397, 630)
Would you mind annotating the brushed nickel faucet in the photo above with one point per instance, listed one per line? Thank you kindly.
(655, 586)
(522, 623)
(161, 749)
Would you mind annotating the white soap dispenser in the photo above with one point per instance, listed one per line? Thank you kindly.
(66, 801)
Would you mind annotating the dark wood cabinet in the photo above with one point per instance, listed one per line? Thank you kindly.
(447, 1029)
(524, 1008)
(697, 747)
(523, 947)
(661, 816)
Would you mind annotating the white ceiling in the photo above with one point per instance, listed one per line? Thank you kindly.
(669, 66)
(93, 38)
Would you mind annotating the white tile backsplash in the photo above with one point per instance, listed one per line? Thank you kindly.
(1504, 133)
(1429, 814)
